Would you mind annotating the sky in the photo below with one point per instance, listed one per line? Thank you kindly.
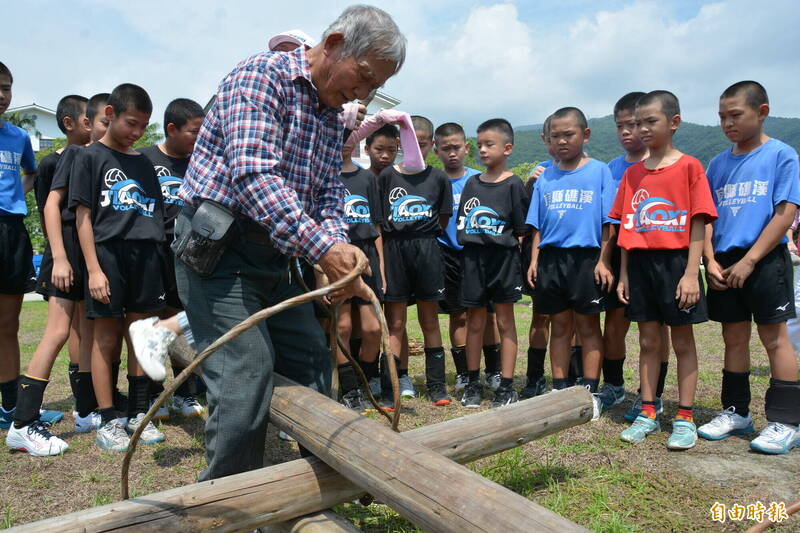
(467, 61)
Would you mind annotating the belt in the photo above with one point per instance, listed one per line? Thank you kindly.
(247, 229)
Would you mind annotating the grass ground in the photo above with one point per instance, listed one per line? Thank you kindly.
(585, 473)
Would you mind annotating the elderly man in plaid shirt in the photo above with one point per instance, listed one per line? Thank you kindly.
(270, 151)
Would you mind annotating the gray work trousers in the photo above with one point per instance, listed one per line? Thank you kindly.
(249, 277)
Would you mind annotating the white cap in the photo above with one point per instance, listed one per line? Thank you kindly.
(298, 37)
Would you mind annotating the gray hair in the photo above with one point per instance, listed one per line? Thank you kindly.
(367, 29)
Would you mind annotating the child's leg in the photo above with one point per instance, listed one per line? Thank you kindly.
(614, 351)
(56, 333)
(347, 375)
(782, 361)
(588, 329)
(74, 346)
(686, 354)
(736, 367)
(662, 375)
(576, 356)
(476, 325)
(491, 345)
(370, 334)
(508, 339)
(396, 322)
(105, 342)
(429, 323)
(561, 327)
(782, 402)
(537, 352)
(10, 307)
(434, 352)
(458, 343)
(649, 362)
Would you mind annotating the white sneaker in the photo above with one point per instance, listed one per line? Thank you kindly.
(776, 438)
(461, 382)
(150, 435)
(492, 380)
(150, 344)
(285, 436)
(35, 439)
(406, 387)
(187, 405)
(597, 406)
(85, 424)
(162, 413)
(725, 424)
(112, 436)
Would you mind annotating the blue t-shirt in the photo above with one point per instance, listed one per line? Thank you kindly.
(746, 188)
(618, 166)
(16, 154)
(449, 236)
(569, 207)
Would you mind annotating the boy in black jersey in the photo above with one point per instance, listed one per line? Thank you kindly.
(363, 214)
(28, 431)
(151, 337)
(120, 219)
(491, 218)
(416, 209)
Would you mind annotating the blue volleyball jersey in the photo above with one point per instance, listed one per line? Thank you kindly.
(746, 188)
(449, 236)
(618, 166)
(16, 154)
(569, 207)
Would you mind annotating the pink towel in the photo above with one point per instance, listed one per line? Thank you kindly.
(412, 156)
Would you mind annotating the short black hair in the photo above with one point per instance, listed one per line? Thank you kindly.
(422, 124)
(95, 103)
(573, 112)
(180, 111)
(755, 93)
(72, 106)
(449, 128)
(627, 102)
(387, 130)
(669, 102)
(499, 125)
(4, 70)
(546, 126)
(129, 96)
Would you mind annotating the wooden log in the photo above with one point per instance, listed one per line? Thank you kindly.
(324, 522)
(285, 491)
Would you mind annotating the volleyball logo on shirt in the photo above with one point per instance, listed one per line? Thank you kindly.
(480, 219)
(406, 207)
(356, 208)
(162, 171)
(655, 214)
(169, 189)
(124, 194)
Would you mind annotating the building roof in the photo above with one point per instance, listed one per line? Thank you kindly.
(31, 108)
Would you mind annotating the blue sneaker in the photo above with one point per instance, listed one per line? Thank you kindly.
(46, 416)
(684, 435)
(636, 408)
(6, 417)
(640, 429)
(611, 395)
(776, 438)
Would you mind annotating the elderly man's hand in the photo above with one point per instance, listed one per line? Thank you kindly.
(340, 260)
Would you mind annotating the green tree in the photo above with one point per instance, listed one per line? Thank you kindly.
(25, 122)
(152, 135)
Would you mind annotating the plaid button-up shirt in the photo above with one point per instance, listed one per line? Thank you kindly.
(271, 152)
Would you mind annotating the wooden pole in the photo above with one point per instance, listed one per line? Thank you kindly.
(279, 493)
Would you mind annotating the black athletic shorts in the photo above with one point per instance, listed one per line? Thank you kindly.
(767, 296)
(134, 270)
(72, 248)
(17, 275)
(170, 283)
(653, 277)
(374, 280)
(413, 267)
(565, 280)
(491, 274)
(451, 263)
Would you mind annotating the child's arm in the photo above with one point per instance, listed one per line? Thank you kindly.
(688, 291)
(602, 271)
(98, 283)
(443, 220)
(27, 181)
(771, 235)
(622, 287)
(536, 239)
(714, 276)
(791, 244)
(62, 276)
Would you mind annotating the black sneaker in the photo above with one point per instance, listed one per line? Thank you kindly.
(533, 388)
(354, 400)
(437, 392)
(504, 396)
(473, 395)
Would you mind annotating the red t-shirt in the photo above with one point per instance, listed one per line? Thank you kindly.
(655, 207)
